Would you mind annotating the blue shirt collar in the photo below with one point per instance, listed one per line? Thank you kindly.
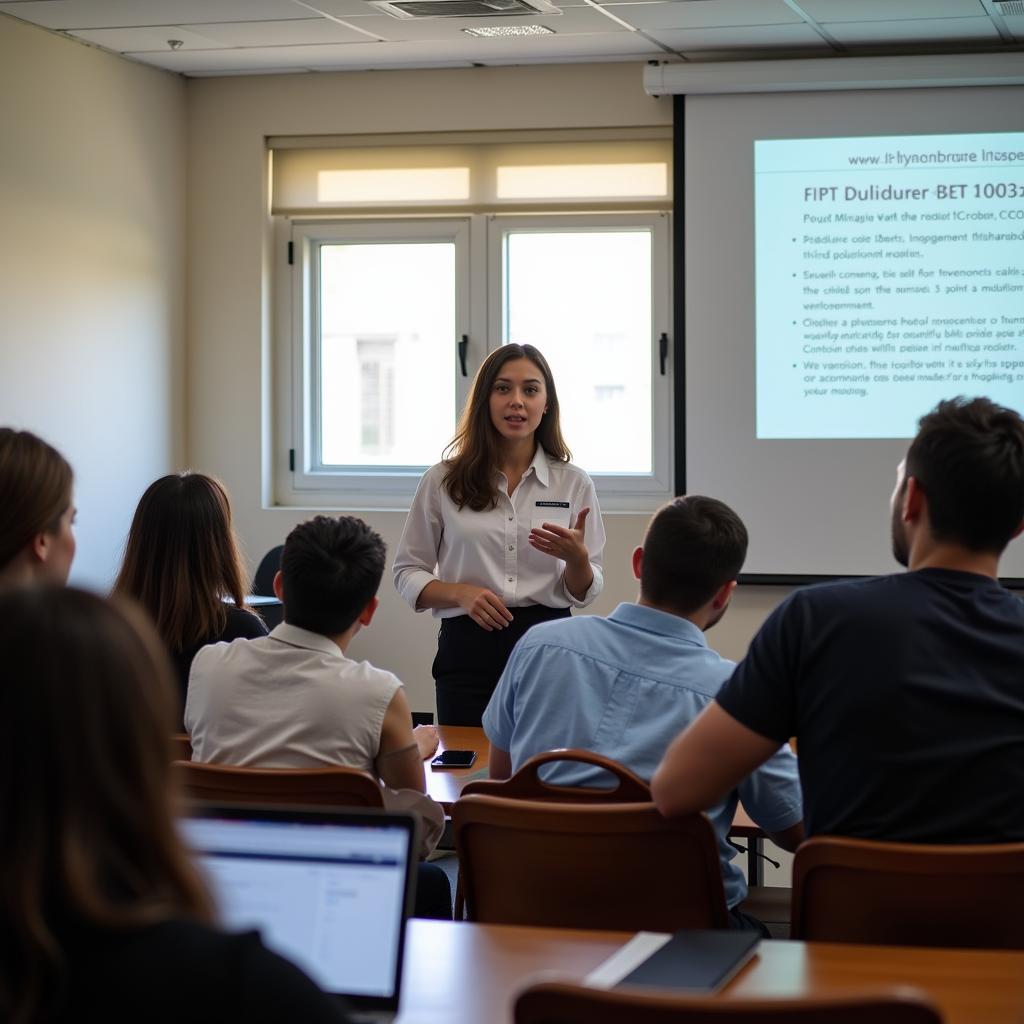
(652, 620)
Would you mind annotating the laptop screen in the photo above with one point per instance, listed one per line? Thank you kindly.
(328, 891)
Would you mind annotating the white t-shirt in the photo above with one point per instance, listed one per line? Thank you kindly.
(490, 548)
(288, 700)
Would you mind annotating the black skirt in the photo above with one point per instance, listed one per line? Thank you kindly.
(470, 661)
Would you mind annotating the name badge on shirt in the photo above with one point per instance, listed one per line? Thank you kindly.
(556, 512)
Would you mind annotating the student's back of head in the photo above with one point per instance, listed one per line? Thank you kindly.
(36, 542)
(968, 458)
(87, 840)
(694, 545)
(182, 559)
(330, 571)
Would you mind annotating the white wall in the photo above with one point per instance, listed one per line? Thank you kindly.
(229, 264)
(92, 176)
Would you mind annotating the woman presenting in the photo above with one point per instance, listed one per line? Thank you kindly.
(502, 534)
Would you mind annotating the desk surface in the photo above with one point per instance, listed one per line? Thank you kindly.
(460, 973)
(445, 785)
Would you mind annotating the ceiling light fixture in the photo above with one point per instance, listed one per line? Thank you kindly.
(498, 31)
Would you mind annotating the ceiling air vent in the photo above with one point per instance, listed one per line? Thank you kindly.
(464, 8)
(1010, 6)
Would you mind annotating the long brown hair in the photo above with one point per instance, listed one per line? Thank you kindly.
(182, 559)
(473, 453)
(35, 490)
(86, 800)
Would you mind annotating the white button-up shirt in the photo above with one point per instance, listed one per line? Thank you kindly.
(490, 548)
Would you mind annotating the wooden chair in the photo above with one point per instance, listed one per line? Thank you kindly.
(612, 866)
(181, 747)
(527, 784)
(902, 894)
(554, 1003)
(318, 787)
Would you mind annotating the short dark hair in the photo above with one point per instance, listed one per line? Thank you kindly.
(693, 546)
(968, 458)
(331, 569)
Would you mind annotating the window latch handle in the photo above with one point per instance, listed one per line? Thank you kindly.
(462, 346)
(663, 351)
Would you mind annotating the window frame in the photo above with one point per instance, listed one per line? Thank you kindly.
(299, 477)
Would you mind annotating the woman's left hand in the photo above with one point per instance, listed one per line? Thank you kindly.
(561, 543)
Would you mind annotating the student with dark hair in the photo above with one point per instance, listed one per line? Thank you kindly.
(904, 692)
(37, 543)
(624, 686)
(294, 699)
(104, 916)
(498, 536)
(181, 561)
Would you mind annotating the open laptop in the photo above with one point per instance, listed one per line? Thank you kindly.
(328, 890)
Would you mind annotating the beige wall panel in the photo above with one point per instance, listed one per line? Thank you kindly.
(92, 199)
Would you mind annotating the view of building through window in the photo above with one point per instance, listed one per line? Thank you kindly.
(387, 381)
(584, 299)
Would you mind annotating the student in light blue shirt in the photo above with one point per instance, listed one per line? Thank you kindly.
(624, 686)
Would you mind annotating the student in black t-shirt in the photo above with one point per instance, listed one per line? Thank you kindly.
(104, 915)
(180, 563)
(906, 692)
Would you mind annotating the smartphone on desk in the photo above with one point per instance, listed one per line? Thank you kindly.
(454, 759)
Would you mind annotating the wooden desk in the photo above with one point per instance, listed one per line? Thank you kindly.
(445, 784)
(460, 973)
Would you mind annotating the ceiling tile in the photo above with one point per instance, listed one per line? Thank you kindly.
(69, 14)
(410, 54)
(573, 21)
(243, 71)
(620, 45)
(1016, 25)
(256, 58)
(122, 40)
(301, 32)
(851, 33)
(890, 10)
(777, 53)
(705, 13)
(765, 37)
(345, 9)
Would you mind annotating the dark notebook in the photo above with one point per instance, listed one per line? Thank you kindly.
(698, 961)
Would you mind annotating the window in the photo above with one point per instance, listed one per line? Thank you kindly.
(386, 319)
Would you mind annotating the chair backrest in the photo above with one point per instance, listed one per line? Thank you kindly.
(611, 866)
(553, 1003)
(304, 787)
(263, 581)
(527, 784)
(902, 894)
(181, 747)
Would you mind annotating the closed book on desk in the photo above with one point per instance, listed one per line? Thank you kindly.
(694, 961)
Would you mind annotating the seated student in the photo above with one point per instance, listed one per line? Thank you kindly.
(294, 699)
(180, 563)
(625, 685)
(37, 543)
(104, 916)
(906, 692)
